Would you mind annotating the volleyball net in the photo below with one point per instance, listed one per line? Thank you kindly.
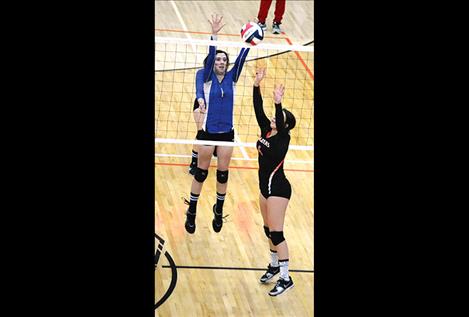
(178, 59)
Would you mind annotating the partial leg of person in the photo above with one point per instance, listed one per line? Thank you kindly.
(205, 154)
(273, 267)
(279, 11)
(195, 156)
(263, 12)
(198, 118)
(276, 208)
(224, 154)
(278, 16)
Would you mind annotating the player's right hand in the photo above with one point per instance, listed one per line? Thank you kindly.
(216, 23)
(260, 74)
(201, 105)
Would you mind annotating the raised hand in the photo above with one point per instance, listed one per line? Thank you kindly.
(278, 93)
(260, 74)
(216, 23)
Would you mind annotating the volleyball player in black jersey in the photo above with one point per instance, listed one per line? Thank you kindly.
(275, 190)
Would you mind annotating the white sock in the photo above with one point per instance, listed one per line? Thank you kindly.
(274, 258)
(284, 270)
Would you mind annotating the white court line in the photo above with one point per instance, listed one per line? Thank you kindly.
(183, 25)
(234, 158)
(245, 154)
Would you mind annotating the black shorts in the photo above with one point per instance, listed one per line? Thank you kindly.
(203, 135)
(280, 188)
(196, 104)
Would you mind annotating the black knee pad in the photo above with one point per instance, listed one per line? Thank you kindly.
(200, 175)
(276, 237)
(222, 176)
(267, 232)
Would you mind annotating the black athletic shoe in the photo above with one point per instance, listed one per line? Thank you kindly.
(276, 28)
(190, 222)
(217, 221)
(281, 287)
(271, 272)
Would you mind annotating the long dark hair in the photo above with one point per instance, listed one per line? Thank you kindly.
(290, 119)
(220, 51)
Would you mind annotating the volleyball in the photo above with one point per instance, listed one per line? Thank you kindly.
(252, 33)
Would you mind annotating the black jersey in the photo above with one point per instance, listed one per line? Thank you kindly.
(272, 150)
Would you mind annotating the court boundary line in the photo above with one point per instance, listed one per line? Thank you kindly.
(241, 148)
(232, 268)
(233, 158)
(234, 167)
(184, 26)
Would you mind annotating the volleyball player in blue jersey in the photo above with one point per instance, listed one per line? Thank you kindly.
(218, 93)
(199, 115)
(275, 189)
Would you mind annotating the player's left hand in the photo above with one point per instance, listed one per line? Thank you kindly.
(279, 90)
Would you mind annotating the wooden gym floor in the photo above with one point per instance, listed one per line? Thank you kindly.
(216, 274)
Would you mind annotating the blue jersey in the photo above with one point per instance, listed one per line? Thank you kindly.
(219, 96)
(199, 84)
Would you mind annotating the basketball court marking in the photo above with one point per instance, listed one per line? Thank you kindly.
(301, 59)
(183, 24)
(231, 268)
(171, 265)
(241, 148)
